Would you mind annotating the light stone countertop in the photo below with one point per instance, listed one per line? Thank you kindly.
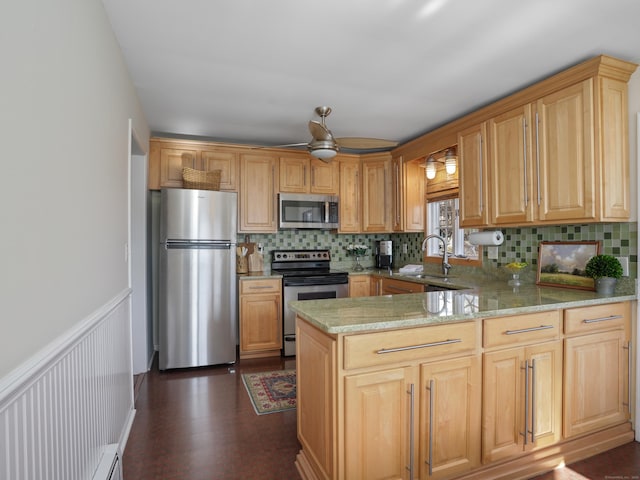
(482, 298)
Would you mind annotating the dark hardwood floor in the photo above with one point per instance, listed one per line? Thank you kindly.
(199, 424)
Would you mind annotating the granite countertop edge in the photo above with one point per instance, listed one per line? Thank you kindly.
(363, 314)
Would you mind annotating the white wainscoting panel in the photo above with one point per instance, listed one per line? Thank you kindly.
(59, 411)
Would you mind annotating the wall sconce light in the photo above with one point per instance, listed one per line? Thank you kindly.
(430, 167)
(450, 161)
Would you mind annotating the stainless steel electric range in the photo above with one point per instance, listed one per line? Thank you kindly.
(306, 275)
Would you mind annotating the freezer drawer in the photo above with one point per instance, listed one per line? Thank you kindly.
(197, 306)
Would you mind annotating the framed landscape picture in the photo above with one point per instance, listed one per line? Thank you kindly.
(562, 264)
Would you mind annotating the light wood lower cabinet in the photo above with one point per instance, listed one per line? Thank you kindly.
(391, 286)
(359, 285)
(596, 373)
(260, 317)
(505, 397)
(419, 417)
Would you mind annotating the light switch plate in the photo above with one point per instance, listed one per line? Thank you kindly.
(492, 252)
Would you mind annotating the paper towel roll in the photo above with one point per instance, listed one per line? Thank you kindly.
(493, 237)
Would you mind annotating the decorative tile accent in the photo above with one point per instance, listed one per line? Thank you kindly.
(520, 244)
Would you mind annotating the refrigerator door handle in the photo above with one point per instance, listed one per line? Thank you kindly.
(182, 245)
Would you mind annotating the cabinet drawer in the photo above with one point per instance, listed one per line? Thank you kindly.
(383, 348)
(521, 329)
(394, 287)
(260, 286)
(610, 316)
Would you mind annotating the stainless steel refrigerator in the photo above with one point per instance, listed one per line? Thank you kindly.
(197, 285)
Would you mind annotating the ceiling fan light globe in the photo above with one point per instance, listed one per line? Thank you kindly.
(323, 153)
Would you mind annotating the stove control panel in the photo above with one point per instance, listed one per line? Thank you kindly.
(300, 255)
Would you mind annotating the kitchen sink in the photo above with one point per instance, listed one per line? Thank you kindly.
(427, 275)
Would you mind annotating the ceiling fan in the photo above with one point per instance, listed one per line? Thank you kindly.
(325, 146)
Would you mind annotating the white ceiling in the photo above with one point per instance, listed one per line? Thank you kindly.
(253, 71)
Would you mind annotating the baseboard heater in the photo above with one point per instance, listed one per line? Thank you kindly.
(110, 466)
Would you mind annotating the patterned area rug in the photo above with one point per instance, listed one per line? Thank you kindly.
(271, 392)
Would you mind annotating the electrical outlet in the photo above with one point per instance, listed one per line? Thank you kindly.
(624, 261)
(492, 252)
(404, 248)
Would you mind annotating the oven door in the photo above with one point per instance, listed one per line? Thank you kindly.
(304, 292)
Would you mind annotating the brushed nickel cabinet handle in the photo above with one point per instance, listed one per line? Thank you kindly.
(429, 460)
(411, 393)
(601, 319)
(628, 404)
(526, 401)
(422, 345)
(533, 400)
(525, 330)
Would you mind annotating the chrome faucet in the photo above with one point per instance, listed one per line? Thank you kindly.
(445, 258)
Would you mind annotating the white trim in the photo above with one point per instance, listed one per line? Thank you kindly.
(19, 379)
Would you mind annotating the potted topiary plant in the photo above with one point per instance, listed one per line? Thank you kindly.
(605, 270)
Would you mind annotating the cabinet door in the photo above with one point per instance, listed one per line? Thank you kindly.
(397, 198)
(595, 382)
(473, 174)
(376, 194)
(260, 323)
(226, 162)
(377, 418)
(359, 286)
(350, 210)
(172, 161)
(414, 202)
(510, 160)
(294, 174)
(450, 417)
(502, 406)
(565, 164)
(257, 209)
(390, 286)
(324, 177)
(544, 402)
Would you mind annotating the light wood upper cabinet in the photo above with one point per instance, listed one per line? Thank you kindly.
(397, 194)
(510, 159)
(257, 200)
(350, 194)
(302, 174)
(224, 160)
(376, 193)
(167, 158)
(172, 161)
(473, 175)
(565, 165)
(415, 210)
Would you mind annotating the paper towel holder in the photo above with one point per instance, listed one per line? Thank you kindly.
(487, 237)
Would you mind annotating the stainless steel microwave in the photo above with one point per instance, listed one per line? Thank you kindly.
(299, 210)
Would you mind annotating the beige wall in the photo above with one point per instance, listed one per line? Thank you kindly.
(65, 101)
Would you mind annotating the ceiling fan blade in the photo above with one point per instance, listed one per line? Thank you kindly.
(303, 144)
(320, 131)
(361, 143)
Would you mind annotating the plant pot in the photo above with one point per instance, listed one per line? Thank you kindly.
(606, 285)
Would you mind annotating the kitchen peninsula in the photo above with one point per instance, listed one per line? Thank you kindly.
(486, 382)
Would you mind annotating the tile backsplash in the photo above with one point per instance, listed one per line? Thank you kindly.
(520, 244)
